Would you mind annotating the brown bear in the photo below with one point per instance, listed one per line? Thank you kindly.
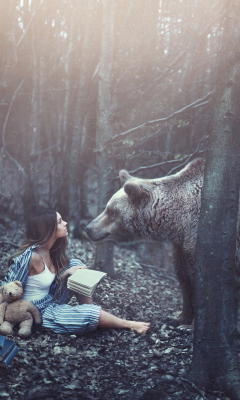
(158, 209)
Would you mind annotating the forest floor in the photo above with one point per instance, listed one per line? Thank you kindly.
(108, 364)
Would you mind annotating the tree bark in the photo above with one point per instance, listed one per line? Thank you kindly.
(215, 359)
(83, 135)
(104, 253)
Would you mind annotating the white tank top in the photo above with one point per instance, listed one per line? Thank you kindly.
(37, 286)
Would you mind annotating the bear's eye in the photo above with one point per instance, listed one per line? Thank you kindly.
(110, 213)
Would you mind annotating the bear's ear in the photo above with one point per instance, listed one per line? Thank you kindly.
(134, 191)
(124, 176)
(18, 283)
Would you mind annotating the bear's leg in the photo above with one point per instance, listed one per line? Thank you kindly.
(182, 265)
(6, 328)
(25, 327)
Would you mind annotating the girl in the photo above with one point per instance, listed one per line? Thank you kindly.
(41, 264)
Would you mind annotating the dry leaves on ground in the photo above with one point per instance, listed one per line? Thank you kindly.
(108, 364)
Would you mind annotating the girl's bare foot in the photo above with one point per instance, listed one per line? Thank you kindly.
(140, 327)
(107, 320)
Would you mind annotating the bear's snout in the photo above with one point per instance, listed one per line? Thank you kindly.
(95, 233)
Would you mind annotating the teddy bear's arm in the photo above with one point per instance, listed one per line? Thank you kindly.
(1, 298)
(35, 313)
(3, 307)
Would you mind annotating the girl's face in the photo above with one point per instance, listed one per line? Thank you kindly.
(61, 230)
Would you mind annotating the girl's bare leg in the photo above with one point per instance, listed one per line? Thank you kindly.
(107, 320)
(83, 299)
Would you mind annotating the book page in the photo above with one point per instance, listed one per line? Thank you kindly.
(86, 277)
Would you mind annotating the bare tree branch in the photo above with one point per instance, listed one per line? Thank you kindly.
(37, 153)
(196, 152)
(183, 160)
(159, 76)
(179, 111)
(25, 31)
(4, 131)
(161, 164)
(149, 123)
(8, 113)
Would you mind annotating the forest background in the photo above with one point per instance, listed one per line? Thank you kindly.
(90, 87)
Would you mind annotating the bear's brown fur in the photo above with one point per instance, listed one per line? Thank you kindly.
(158, 209)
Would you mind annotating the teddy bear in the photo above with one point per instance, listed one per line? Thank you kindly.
(14, 310)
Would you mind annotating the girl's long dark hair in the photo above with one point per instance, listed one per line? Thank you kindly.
(40, 228)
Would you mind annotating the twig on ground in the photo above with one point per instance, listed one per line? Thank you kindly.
(192, 385)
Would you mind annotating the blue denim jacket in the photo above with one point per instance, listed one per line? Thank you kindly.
(18, 271)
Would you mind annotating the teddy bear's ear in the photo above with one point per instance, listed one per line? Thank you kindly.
(18, 283)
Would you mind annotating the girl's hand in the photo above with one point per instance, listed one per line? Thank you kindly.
(75, 268)
(71, 271)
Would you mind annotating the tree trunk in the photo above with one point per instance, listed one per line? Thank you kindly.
(83, 134)
(215, 359)
(104, 254)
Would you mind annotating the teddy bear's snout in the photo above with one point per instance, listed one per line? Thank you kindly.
(11, 294)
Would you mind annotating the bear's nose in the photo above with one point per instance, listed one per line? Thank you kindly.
(10, 293)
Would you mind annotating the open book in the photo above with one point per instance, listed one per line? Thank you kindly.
(9, 357)
(85, 281)
(8, 350)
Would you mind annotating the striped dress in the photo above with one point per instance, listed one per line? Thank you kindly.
(57, 315)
